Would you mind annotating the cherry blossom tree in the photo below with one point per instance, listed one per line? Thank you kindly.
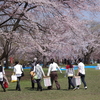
(55, 27)
(9, 43)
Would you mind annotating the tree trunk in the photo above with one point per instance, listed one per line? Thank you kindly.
(44, 61)
(6, 62)
(87, 59)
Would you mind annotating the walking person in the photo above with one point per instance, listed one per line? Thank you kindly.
(18, 71)
(81, 72)
(52, 72)
(2, 73)
(39, 72)
(70, 74)
(32, 68)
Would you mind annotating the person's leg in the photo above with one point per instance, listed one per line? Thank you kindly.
(37, 81)
(39, 87)
(69, 83)
(32, 82)
(83, 80)
(3, 86)
(18, 84)
(56, 80)
(52, 79)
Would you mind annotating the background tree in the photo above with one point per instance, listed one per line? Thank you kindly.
(55, 26)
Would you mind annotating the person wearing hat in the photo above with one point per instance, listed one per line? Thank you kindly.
(40, 74)
(32, 68)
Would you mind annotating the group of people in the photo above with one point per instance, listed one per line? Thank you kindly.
(17, 71)
(71, 74)
(52, 72)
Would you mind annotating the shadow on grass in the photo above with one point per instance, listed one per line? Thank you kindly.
(64, 89)
(35, 89)
(1, 91)
(56, 89)
(11, 89)
(30, 89)
(46, 89)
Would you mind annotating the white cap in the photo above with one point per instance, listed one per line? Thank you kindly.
(35, 59)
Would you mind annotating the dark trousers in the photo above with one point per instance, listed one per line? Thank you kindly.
(39, 87)
(18, 84)
(82, 79)
(32, 82)
(54, 77)
(70, 83)
(1, 82)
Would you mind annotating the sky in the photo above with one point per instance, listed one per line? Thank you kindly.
(87, 15)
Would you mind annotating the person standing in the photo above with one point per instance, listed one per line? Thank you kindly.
(39, 72)
(70, 73)
(81, 72)
(32, 68)
(18, 71)
(2, 73)
(52, 72)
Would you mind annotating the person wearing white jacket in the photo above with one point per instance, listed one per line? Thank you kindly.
(81, 72)
(52, 72)
(40, 73)
(18, 71)
(2, 73)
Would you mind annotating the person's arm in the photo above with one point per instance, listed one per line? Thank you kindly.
(42, 71)
(73, 71)
(59, 69)
(66, 69)
(14, 71)
(49, 69)
(21, 68)
(34, 69)
(5, 78)
(78, 70)
(3, 71)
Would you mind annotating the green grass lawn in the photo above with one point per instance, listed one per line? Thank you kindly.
(92, 93)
